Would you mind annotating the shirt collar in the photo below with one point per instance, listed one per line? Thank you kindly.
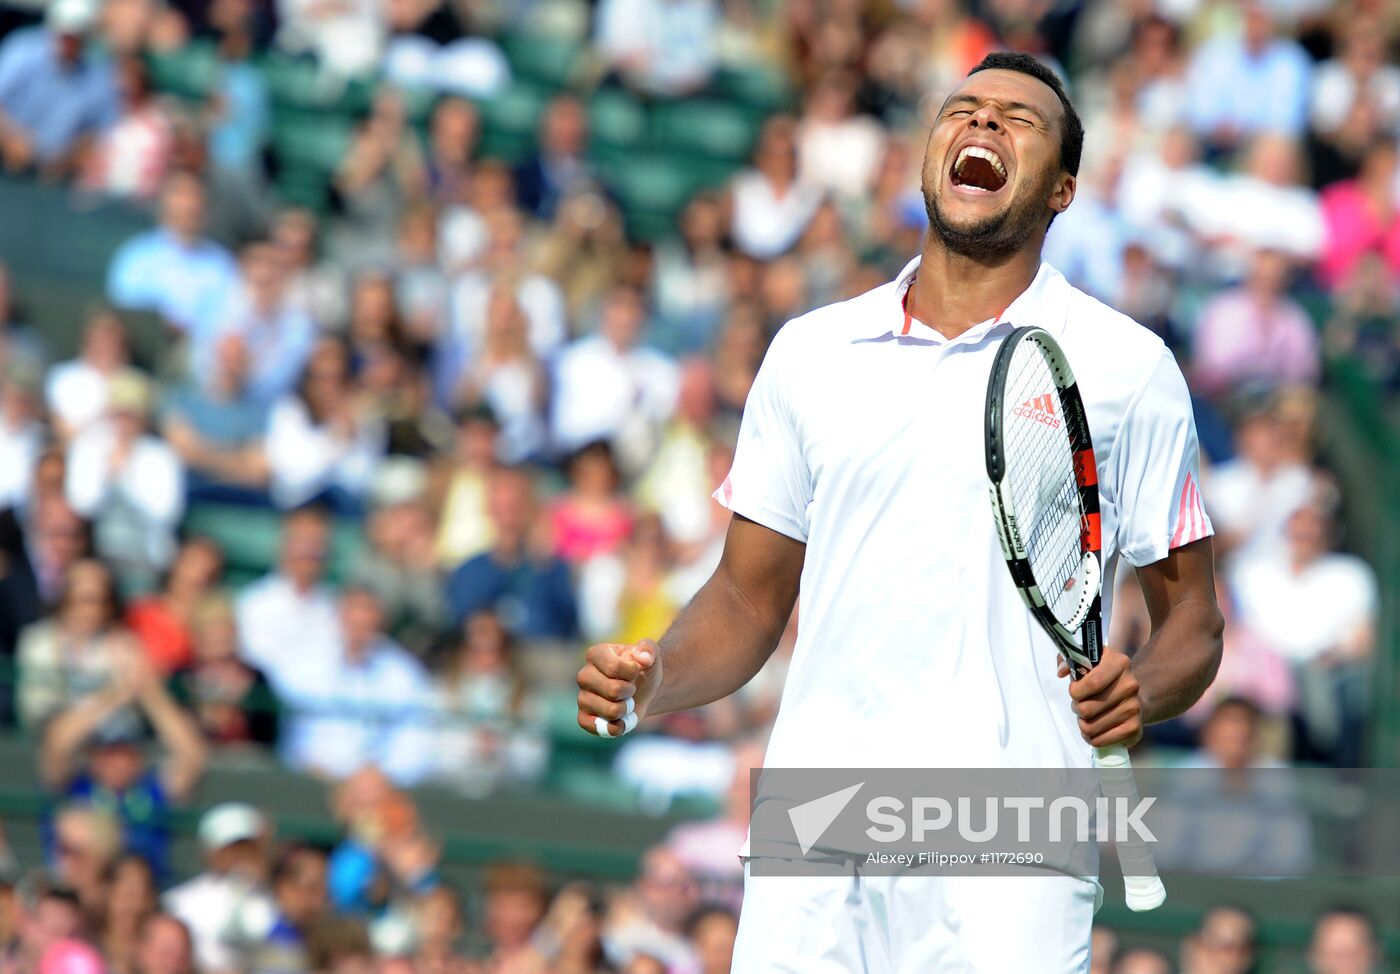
(1042, 303)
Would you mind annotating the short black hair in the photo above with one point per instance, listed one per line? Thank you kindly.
(1072, 135)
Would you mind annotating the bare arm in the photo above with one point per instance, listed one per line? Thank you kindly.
(1174, 667)
(716, 644)
(1181, 656)
(177, 731)
(69, 730)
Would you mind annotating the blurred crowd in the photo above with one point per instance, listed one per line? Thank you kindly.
(515, 407)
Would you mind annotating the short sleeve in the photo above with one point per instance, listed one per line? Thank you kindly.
(769, 482)
(1156, 469)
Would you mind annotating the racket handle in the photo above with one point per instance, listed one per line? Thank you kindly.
(1143, 890)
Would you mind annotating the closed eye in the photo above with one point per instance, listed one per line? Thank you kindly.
(959, 113)
(1023, 121)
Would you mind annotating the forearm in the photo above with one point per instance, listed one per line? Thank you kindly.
(71, 728)
(716, 645)
(1179, 660)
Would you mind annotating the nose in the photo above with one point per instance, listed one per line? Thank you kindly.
(986, 117)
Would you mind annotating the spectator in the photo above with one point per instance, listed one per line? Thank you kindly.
(345, 39)
(381, 173)
(585, 249)
(706, 849)
(454, 132)
(216, 424)
(1363, 327)
(76, 391)
(1357, 84)
(503, 264)
(130, 158)
(1229, 738)
(1104, 947)
(323, 442)
(506, 378)
(611, 387)
(315, 285)
(663, 48)
(385, 861)
(558, 166)
(458, 488)
(56, 92)
(238, 108)
(278, 334)
(22, 347)
(665, 895)
(1143, 960)
(1362, 218)
(516, 900)
(163, 622)
(232, 701)
(21, 436)
(165, 947)
(770, 204)
(1253, 495)
(49, 913)
(131, 898)
(85, 843)
(1224, 943)
(1317, 608)
(282, 941)
(129, 483)
(440, 924)
(75, 651)
(592, 517)
(711, 931)
(399, 564)
(223, 898)
(361, 703)
(490, 729)
(690, 281)
(1344, 941)
(1255, 331)
(1268, 207)
(37, 563)
(1254, 82)
(838, 149)
(173, 269)
(420, 285)
(625, 595)
(114, 768)
(291, 606)
(529, 590)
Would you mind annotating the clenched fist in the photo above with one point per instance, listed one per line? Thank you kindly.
(616, 684)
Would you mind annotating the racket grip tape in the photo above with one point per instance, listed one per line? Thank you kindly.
(1142, 887)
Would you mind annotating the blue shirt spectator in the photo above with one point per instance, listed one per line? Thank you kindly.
(277, 331)
(1258, 82)
(236, 138)
(217, 425)
(531, 592)
(54, 89)
(172, 270)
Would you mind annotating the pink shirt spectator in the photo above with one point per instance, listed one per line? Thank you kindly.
(580, 534)
(1239, 338)
(1354, 230)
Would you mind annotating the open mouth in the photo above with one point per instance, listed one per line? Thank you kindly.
(979, 170)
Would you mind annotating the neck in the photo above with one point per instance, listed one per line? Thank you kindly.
(953, 292)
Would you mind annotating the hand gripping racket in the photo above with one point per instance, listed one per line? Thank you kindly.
(1045, 499)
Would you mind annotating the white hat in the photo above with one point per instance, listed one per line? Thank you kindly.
(231, 822)
(70, 16)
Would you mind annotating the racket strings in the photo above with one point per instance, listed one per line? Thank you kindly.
(1041, 472)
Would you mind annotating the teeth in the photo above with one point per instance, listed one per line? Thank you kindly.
(977, 152)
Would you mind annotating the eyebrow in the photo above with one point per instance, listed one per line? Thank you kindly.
(1011, 106)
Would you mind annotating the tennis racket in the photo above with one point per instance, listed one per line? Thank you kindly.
(1045, 498)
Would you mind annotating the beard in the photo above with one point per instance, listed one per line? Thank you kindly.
(995, 238)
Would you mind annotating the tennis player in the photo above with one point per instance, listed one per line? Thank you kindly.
(859, 479)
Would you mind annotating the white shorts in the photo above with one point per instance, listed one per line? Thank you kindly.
(858, 924)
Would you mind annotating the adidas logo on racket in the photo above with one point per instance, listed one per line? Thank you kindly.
(1041, 409)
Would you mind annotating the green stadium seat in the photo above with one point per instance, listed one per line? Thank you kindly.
(762, 89)
(312, 142)
(301, 85)
(546, 59)
(616, 120)
(190, 73)
(652, 188)
(510, 119)
(250, 536)
(717, 129)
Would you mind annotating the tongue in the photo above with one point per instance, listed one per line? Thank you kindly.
(978, 172)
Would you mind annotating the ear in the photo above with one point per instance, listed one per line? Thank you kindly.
(1062, 192)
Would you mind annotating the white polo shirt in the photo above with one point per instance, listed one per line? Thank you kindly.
(863, 438)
